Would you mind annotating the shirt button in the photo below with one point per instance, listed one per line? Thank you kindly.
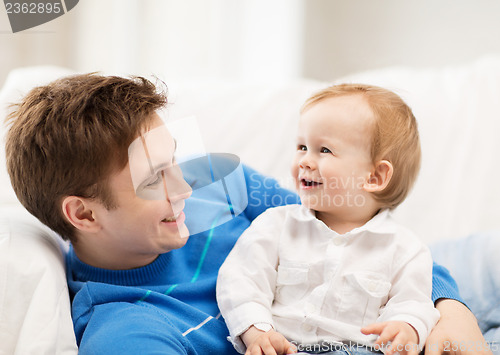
(307, 327)
(339, 241)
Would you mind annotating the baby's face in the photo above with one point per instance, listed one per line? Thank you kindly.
(333, 161)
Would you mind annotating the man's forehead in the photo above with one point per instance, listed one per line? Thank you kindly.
(149, 153)
(157, 137)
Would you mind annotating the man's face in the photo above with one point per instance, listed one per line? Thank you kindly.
(149, 195)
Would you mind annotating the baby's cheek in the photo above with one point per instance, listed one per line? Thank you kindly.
(294, 169)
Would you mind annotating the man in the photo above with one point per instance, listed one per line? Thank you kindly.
(84, 157)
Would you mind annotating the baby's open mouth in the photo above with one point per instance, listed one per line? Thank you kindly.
(310, 183)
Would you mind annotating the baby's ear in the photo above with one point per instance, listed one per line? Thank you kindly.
(78, 212)
(380, 176)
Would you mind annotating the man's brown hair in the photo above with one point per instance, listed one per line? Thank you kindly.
(66, 138)
(394, 136)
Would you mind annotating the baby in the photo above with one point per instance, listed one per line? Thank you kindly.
(336, 269)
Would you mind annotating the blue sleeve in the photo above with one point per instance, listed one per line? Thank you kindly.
(265, 192)
(443, 285)
(130, 330)
(122, 327)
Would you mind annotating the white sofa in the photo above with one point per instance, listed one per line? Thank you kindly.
(458, 110)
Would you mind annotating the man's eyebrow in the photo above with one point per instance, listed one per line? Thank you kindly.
(163, 166)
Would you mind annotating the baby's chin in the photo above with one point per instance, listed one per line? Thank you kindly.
(318, 203)
(306, 202)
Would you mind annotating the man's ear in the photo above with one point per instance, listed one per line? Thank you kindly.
(78, 212)
(380, 176)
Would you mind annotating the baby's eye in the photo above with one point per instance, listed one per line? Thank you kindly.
(302, 147)
(325, 150)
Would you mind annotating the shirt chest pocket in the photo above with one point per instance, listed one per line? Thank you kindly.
(291, 282)
(363, 295)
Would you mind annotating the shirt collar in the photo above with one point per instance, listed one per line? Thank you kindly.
(381, 223)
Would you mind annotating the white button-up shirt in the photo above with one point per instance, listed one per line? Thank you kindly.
(312, 284)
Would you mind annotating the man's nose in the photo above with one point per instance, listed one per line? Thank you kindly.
(176, 187)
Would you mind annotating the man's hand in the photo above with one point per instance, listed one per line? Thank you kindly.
(403, 337)
(456, 333)
(266, 343)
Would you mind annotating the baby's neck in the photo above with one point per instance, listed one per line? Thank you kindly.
(345, 224)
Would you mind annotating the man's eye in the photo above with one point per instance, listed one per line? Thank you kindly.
(325, 150)
(155, 180)
(302, 147)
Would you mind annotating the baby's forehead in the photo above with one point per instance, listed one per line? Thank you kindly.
(345, 110)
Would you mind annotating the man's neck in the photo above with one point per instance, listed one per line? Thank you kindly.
(109, 259)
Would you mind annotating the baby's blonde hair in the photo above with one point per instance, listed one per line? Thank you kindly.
(395, 136)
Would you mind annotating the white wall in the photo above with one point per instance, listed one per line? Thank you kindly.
(51, 43)
(342, 37)
(245, 39)
(255, 39)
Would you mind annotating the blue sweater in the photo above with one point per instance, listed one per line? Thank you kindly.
(169, 306)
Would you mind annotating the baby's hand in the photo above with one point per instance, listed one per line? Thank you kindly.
(266, 343)
(403, 337)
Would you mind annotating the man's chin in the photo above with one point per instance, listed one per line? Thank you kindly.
(184, 232)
